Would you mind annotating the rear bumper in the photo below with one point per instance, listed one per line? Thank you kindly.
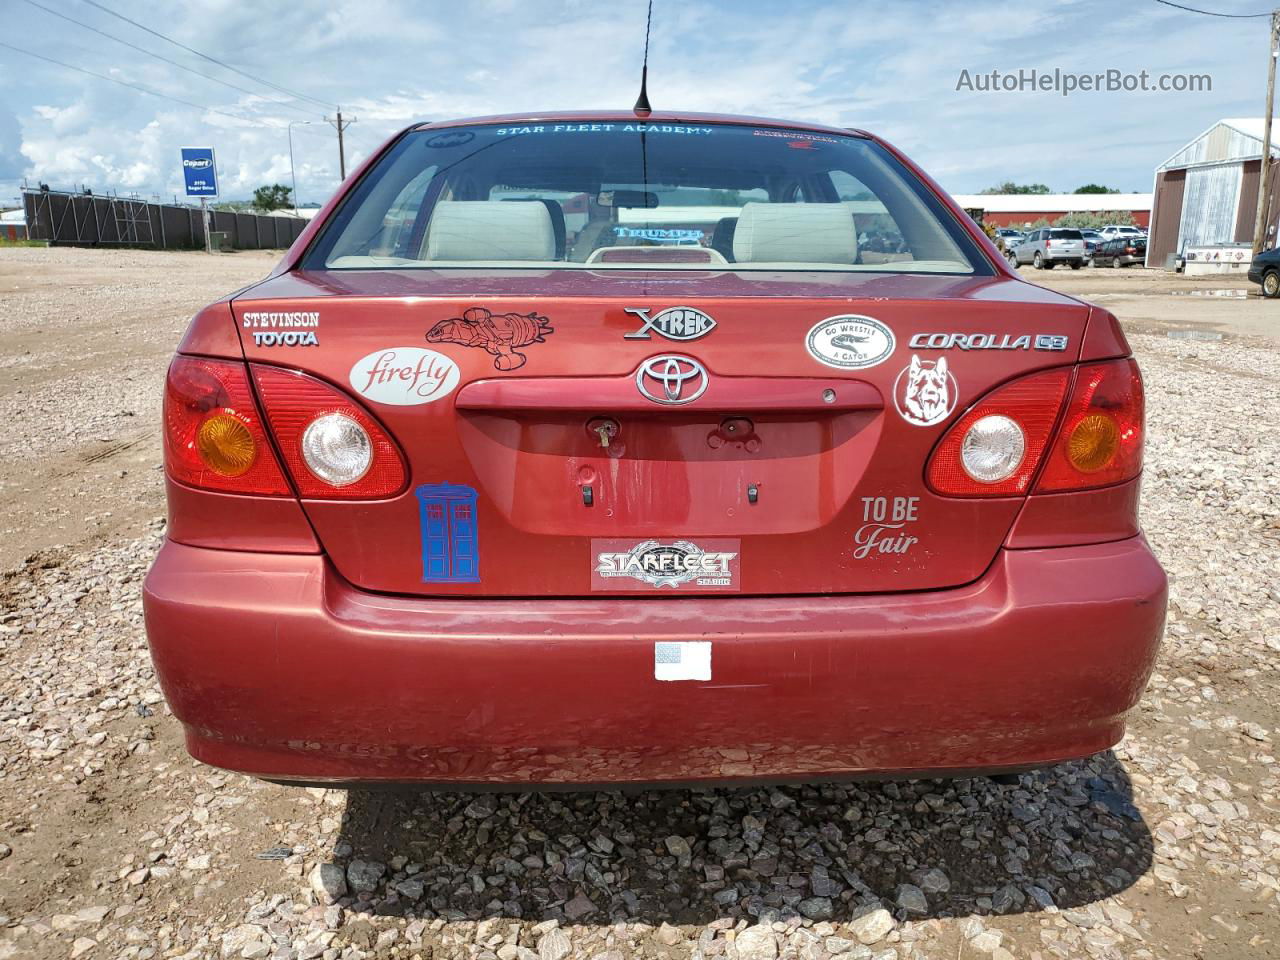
(279, 668)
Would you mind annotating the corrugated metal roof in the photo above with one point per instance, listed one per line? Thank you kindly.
(1054, 202)
(1227, 141)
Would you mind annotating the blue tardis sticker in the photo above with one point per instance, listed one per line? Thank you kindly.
(450, 538)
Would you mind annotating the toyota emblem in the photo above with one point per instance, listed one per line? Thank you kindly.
(671, 379)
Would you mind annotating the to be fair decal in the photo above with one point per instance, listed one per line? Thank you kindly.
(404, 376)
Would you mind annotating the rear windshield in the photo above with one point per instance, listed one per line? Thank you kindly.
(642, 196)
(1065, 235)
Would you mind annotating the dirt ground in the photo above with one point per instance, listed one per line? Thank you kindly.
(113, 843)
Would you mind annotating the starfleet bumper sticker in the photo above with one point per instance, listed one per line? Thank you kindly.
(657, 566)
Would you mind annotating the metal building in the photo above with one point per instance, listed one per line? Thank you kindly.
(1206, 194)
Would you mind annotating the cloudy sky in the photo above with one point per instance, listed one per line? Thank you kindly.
(890, 68)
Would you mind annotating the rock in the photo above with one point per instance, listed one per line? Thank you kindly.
(817, 908)
(5, 850)
(838, 945)
(756, 943)
(579, 907)
(363, 875)
(328, 882)
(668, 934)
(935, 881)
(872, 927)
(678, 847)
(912, 899)
(987, 941)
(246, 940)
(554, 945)
(82, 945)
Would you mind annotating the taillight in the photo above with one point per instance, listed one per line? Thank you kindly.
(333, 448)
(1101, 438)
(213, 437)
(995, 448)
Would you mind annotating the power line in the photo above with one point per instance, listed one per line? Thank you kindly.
(135, 86)
(1207, 13)
(205, 56)
(180, 66)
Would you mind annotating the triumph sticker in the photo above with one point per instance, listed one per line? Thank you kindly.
(850, 342)
(925, 392)
(674, 323)
(654, 565)
(498, 334)
(989, 341)
(404, 376)
(883, 523)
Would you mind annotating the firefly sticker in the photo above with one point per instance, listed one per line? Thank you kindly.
(496, 333)
(653, 565)
(404, 376)
(674, 323)
(882, 529)
(925, 392)
(850, 342)
(450, 537)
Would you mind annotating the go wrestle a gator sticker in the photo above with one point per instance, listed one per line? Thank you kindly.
(498, 334)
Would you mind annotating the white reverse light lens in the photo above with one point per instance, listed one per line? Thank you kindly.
(337, 449)
(992, 449)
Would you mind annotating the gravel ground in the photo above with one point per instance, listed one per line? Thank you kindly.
(113, 843)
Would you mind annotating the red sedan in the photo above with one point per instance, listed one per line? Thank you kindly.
(592, 448)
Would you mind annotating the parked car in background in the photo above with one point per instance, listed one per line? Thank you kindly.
(1010, 238)
(1049, 246)
(1265, 270)
(1091, 240)
(1121, 230)
(466, 497)
(1121, 252)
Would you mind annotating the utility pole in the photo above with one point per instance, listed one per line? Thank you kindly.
(340, 125)
(1260, 230)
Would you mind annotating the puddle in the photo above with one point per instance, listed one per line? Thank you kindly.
(1229, 294)
(1192, 335)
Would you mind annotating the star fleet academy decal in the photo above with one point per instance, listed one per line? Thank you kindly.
(498, 334)
(654, 565)
(850, 342)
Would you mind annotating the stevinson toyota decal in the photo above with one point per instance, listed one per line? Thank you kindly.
(655, 565)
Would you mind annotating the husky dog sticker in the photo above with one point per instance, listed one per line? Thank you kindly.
(925, 392)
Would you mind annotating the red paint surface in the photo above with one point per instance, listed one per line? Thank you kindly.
(305, 677)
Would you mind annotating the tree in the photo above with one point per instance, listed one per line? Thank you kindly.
(1095, 188)
(274, 197)
(1010, 187)
(1095, 220)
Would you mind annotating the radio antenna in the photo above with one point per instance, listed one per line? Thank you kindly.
(642, 107)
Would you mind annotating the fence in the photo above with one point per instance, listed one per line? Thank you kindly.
(83, 219)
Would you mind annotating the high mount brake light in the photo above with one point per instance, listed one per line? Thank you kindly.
(214, 437)
(333, 448)
(981, 444)
(1101, 438)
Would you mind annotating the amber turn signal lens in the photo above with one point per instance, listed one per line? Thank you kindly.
(226, 444)
(1093, 443)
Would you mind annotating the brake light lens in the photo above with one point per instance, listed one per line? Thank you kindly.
(214, 437)
(1102, 435)
(995, 448)
(333, 448)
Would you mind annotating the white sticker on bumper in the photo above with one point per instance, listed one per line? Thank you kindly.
(683, 660)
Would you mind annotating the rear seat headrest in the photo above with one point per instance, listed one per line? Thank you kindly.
(795, 232)
(490, 230)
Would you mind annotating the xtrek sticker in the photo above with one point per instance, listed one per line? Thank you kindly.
(404, 376)
(674, 323)
(450, 537)
(850, 342)
(653, 565)
(925, 392)
(498, 334)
